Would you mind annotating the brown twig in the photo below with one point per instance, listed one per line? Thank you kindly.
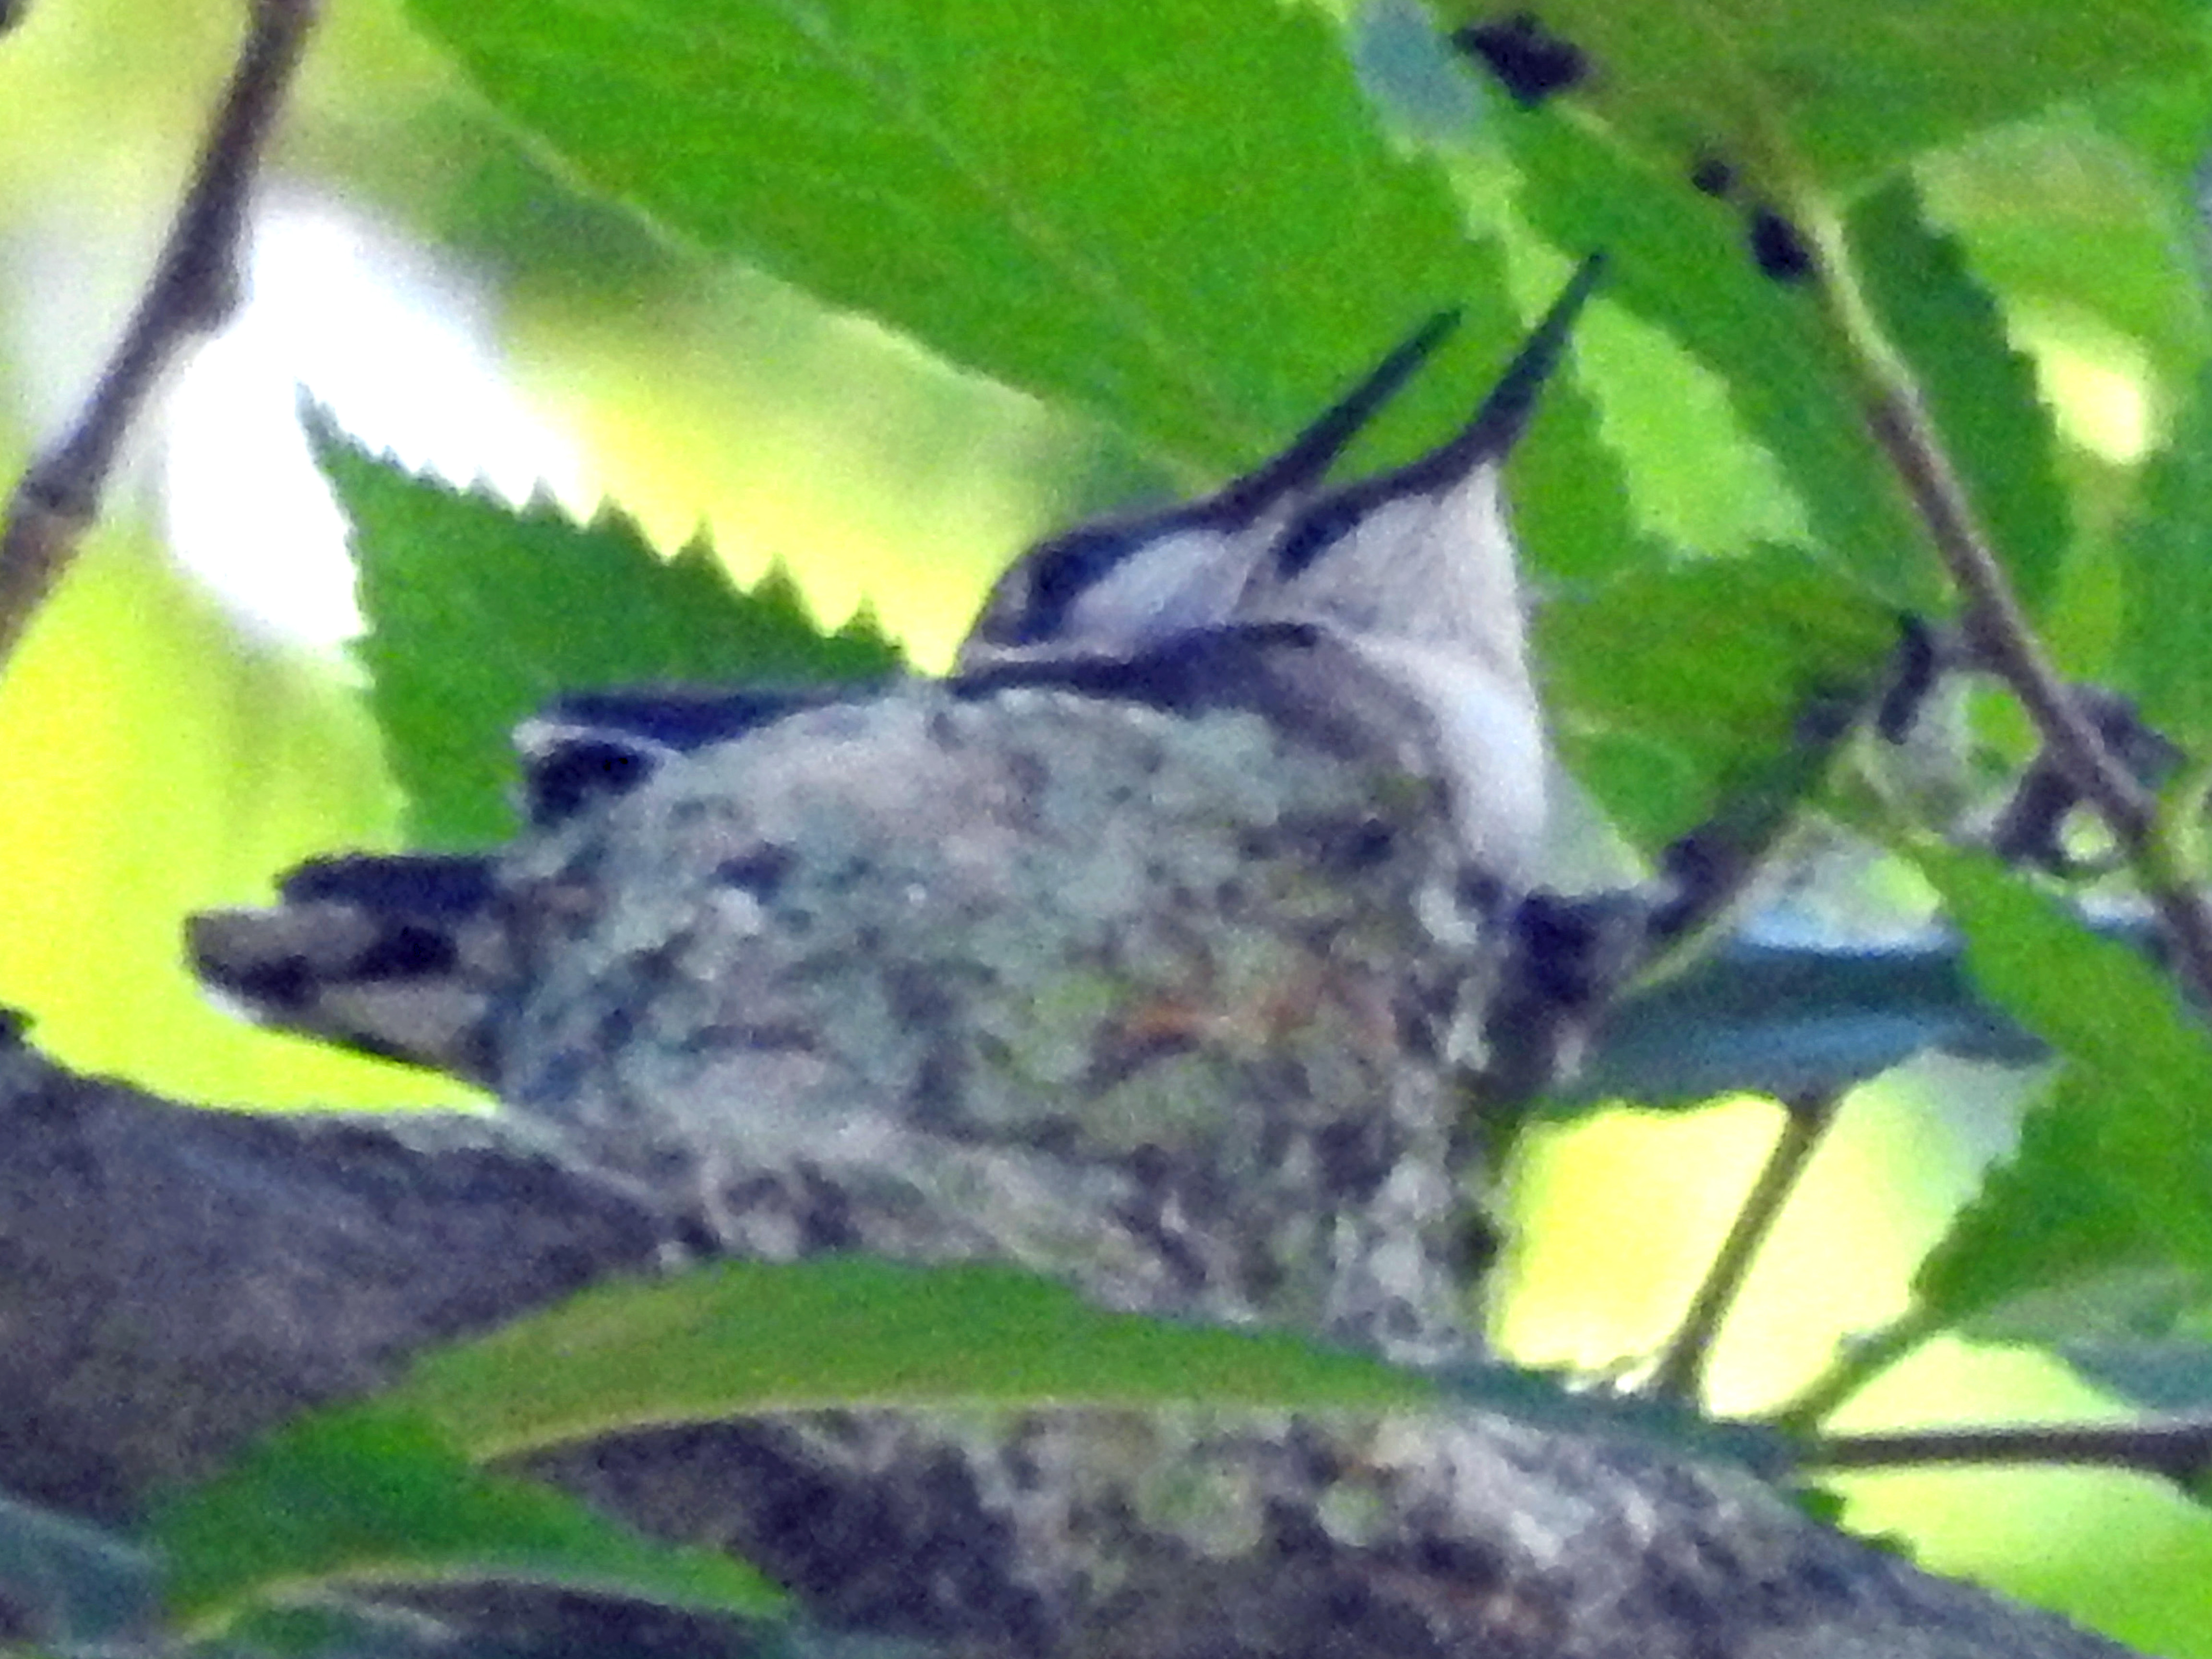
(194, 288)
(1681, 1373)
(2177, 1449)
(1858, 1360)
(2002, 637)
(1997, 629)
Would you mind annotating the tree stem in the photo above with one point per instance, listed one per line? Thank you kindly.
(194, 290)
(1858, 1362)
(2177, 1449)
(1682, 1371)
(1997, 628)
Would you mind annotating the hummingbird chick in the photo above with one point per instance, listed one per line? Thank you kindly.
(1416, 576)
(1113, 588)
(1386, 614)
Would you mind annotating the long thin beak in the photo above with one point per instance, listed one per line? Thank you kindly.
(1490, 435)
(1306, 461)
(1125, 584)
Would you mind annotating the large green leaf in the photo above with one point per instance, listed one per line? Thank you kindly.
(1572, 510)
(1711, 664)
(478, 613)
(389, 1492)
(1783, 89)
(1678, 262)
(2170, 1373)
(2114, 1175)
(1789, 1020)
(374, 1496)
(839, 1332)
(2038, 1254)
(740, 1338)
(1981, 392)
(2063, 217)
(1179, 216)
(2165, 655)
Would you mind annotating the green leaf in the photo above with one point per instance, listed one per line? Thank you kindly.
(853, 1332)
(2050, 1231)
(72, 1585)
(739, 1339)
(1678, 262)
(1780, 89)
(387, 1493)
(372, 1494)
(1570, 497)
(479, 613)
(1789, 1020)
(2068, 221)
(1714, 662)
(2165, 654)
(1179, 216)
(2157, 1374)
(2111, 1172)
(1981, 392)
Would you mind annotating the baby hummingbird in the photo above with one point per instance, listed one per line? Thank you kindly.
(1113, 588)
(1416, 575)
(1385, 615)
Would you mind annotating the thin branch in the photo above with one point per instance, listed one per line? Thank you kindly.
(1999, 631)
(2177, 1449)
(1858, 1361)
(194, 288)
(1682, 1371)
(1997, 628)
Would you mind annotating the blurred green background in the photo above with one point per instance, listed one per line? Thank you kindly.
(449, 296)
